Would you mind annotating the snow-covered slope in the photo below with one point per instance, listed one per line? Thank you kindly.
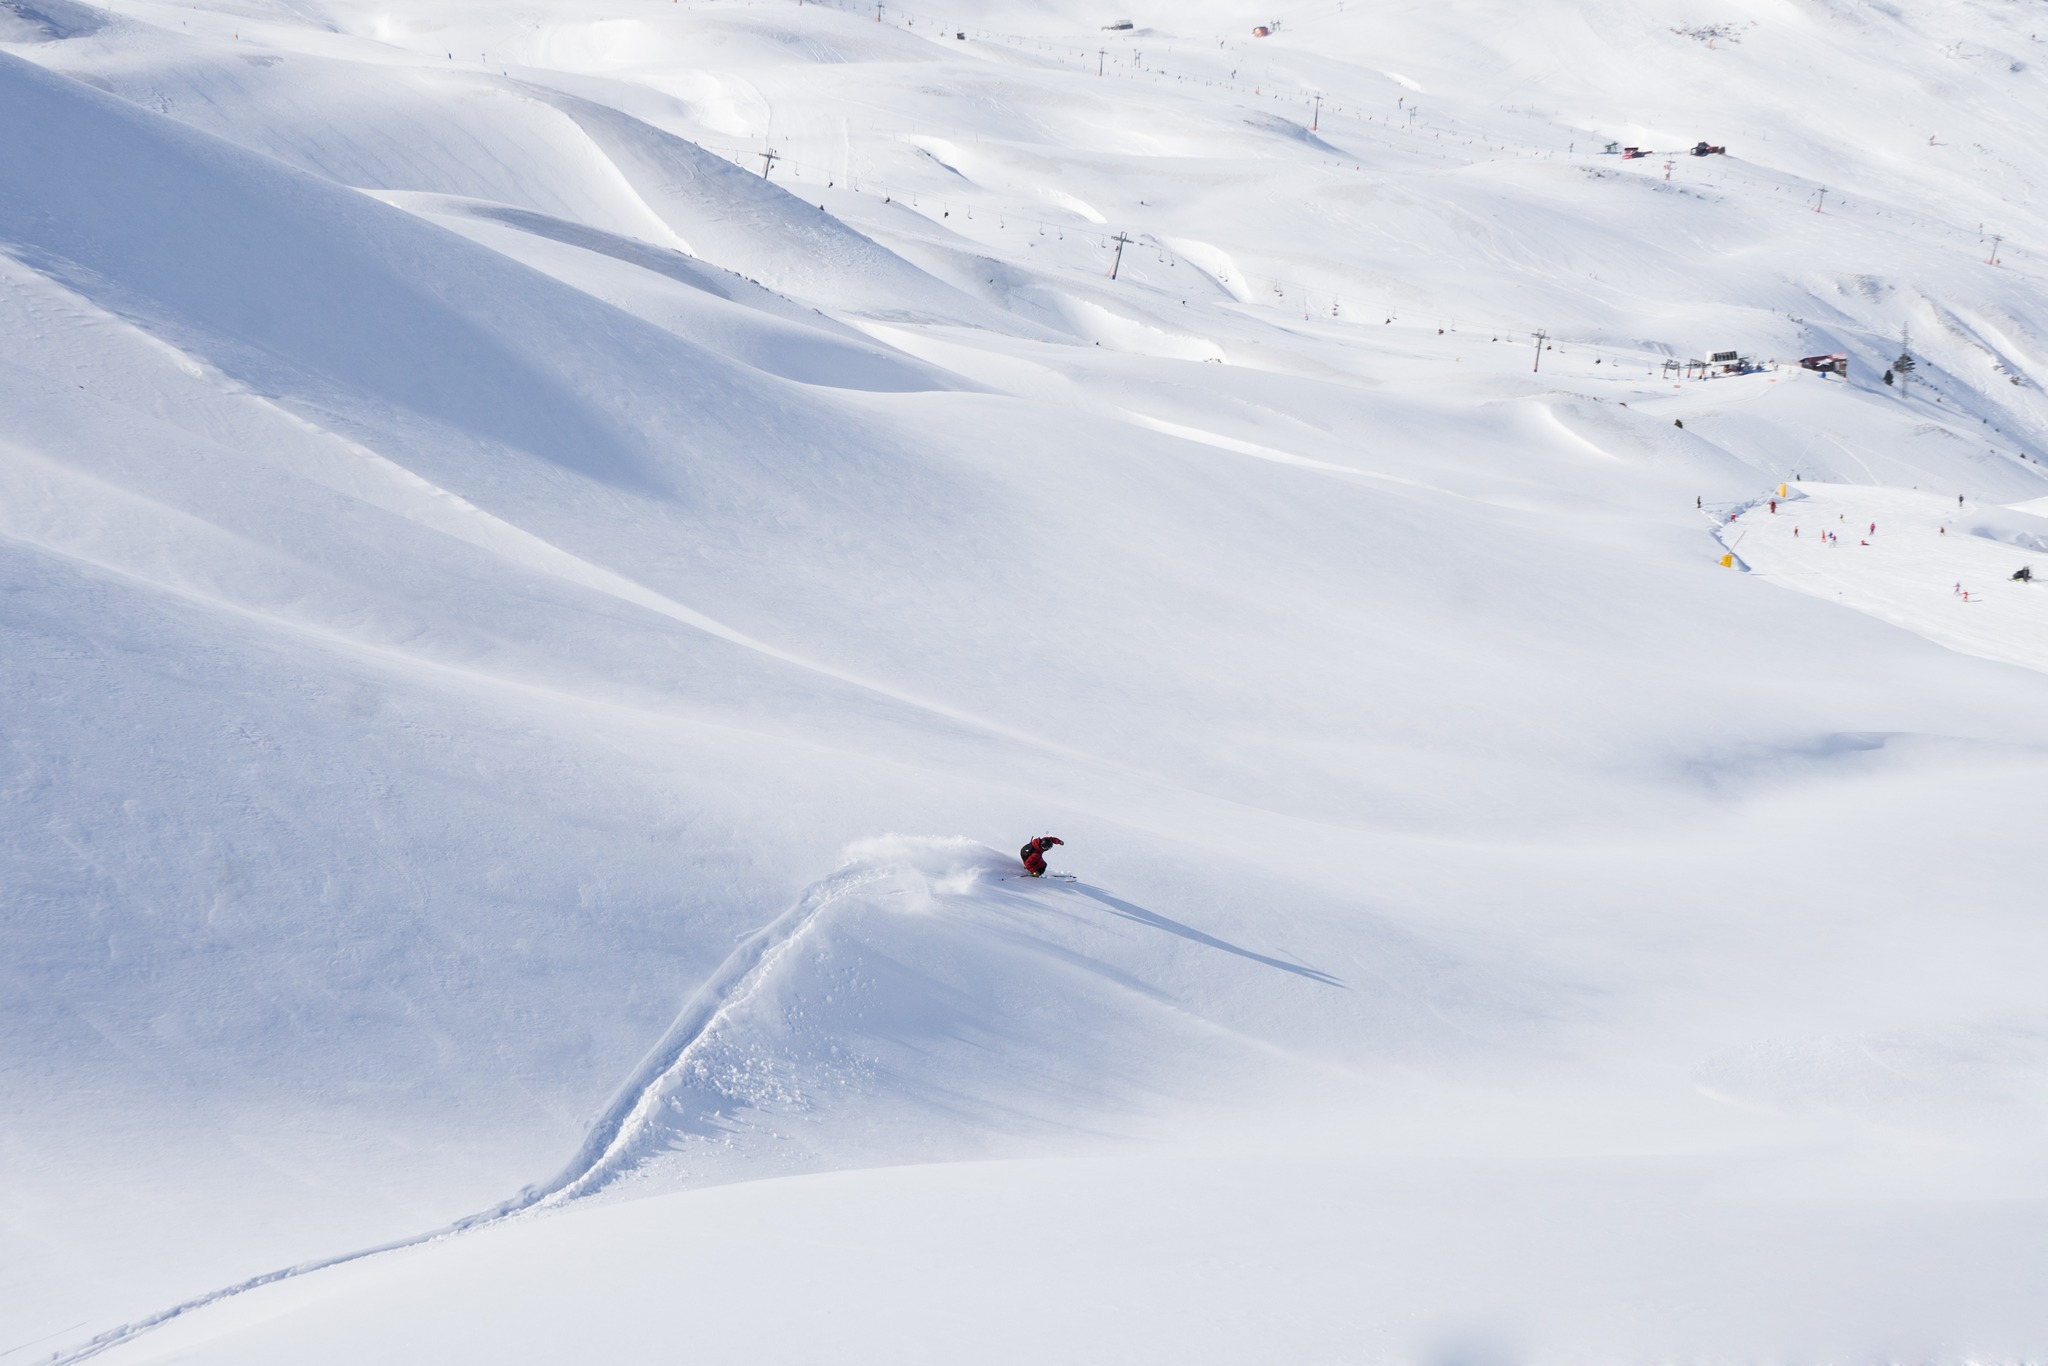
(529, 641)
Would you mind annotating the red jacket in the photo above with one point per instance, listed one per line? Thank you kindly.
(1034, 854)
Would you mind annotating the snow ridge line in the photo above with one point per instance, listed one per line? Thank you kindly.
(608, 1149)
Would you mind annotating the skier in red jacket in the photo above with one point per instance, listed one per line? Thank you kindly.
(1034, 854)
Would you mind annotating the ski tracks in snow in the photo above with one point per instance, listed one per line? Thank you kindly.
(616, 1139)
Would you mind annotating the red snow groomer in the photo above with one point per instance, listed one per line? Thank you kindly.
(1836, 364)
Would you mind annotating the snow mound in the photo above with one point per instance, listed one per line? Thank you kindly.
(927, 1001)
(2015, 527)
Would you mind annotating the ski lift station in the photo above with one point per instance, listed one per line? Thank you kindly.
(1717, 363)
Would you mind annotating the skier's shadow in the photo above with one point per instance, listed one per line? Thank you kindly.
(1144, 917)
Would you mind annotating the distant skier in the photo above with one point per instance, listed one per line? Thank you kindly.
(1034, 854)
(2025, 574)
